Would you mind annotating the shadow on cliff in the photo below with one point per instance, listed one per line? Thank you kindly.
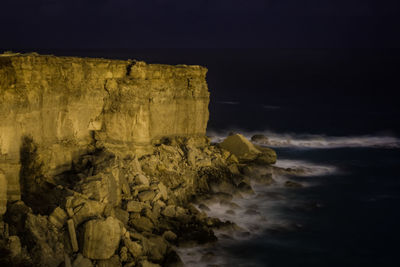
(39, 194)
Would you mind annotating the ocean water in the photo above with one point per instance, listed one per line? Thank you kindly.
(347, 213)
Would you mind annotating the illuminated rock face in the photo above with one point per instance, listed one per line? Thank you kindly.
(3, 193)
(66, 107)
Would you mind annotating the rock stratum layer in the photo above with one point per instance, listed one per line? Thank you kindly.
(67, 106)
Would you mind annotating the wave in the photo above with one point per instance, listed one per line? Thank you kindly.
(254, 215)
(306, 168)
(314, 141)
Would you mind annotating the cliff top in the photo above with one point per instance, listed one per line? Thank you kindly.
(22, 56)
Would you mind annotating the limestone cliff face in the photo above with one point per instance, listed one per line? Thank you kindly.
(57, 108)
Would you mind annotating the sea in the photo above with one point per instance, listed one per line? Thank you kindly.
(346, 213)
(331, 112)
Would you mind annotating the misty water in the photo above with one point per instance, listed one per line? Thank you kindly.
(345, 215)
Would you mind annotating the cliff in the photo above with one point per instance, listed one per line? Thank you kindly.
(64, 107)
(100, 161)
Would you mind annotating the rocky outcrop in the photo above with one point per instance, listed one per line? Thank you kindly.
(108, 156)
(242, 148)
(63, 107)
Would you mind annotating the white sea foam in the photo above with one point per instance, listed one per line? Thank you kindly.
(254, 214)
(316, 141)
(306, 168)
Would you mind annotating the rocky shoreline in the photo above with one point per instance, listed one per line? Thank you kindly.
(82, 220)
(102, 161)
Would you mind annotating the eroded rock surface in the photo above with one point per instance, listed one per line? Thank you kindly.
(64, 107)
(101, 238)
(107, 157)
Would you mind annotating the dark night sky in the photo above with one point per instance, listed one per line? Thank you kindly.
(331, 56)
(200, 24)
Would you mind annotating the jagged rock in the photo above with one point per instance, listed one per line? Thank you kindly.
(14, 246)
(141, 179)
(169, 211)
(238, 145)
(83, 209)
(163, 191)
(268, 156)
(121, 215)
(47, 248)
(153, 216)
(142, 224)
(146, 263)
(58, 217)
(67, 260)
(156, 248)
(72, 235)
(146, 195)
(114, 261)
(123, 254)
(133, 247)
(170, 236)
(81, 261)
(233, 168)
(104, 187)
(101, 238)
(4, 230)
(3, 193)
(135, 206)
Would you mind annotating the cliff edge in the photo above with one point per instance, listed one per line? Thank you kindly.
(64, 107)
(102, 160)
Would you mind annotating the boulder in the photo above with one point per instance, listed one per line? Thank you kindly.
(3, 193)
(238, 145)
(169, 211)
(101, 238)
(146, 263)
(267, 156)
(46, 241)
(146, 195)
(121, 215)
(72, 235)
(141, 179)
(134, 206)
(14, 246)
(81, 261)
(58, 217)
(156, 248)
(170, 236)
(114, 261)
(142, 224)
(133, 247)
(81, 209)
(163, 190)
(103, 187)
